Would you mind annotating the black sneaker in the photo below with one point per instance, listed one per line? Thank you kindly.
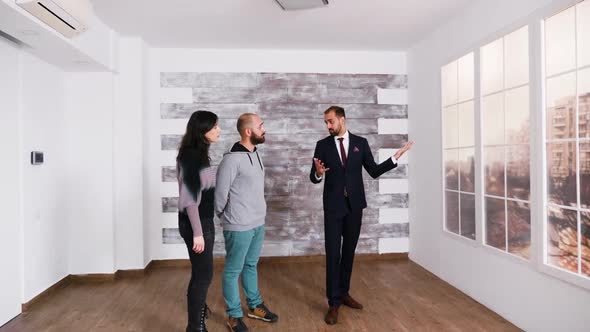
(236, 325)
(261, 312)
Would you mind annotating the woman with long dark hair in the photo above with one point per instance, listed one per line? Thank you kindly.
(196, 182)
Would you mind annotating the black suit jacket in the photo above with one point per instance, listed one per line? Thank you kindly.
(339, 178)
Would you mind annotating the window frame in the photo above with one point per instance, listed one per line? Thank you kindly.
(474, 99)
(577, 279)
(537, 118)
(505, 145)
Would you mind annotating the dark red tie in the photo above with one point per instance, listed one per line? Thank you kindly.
(342, 151)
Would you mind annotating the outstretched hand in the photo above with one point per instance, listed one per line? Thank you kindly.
(403, 150)
(320, 169)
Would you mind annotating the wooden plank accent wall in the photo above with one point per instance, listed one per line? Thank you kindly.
(292, 106)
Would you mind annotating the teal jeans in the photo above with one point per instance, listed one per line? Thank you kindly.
(242, 253)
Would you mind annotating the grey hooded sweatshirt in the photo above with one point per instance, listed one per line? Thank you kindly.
(239, 192)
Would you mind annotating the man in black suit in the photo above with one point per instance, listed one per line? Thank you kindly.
(340, 158)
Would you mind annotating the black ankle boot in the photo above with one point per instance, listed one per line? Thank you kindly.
(202, 327)
(207, 311)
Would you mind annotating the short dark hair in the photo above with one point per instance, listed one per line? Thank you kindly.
(245, 120)
(339, 111)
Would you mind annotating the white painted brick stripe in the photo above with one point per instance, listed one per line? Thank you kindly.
(176, 95)
(168, 189)
(167, 158)
(173, 126)
(394, 245)
(393, 216)
(393, 186)
(169, 220)
(392, 96)
(392, 126)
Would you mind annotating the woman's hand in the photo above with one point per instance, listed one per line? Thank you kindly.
(198, 244)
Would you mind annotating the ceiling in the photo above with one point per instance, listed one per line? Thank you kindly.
(343, 25)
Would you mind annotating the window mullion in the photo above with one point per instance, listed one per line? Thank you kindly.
(537, 139)
(478, 151)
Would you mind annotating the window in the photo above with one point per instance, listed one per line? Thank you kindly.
(504, 77)
(500, 142)
(567, 140)
(459, 146)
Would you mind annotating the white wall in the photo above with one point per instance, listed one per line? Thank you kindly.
(278, 61)
(145, 148)
(90, 190)
(44, 202)
(83, 207)
(81, 211)
(187, 60)
(35, 206)
(532, 300)
(127, 156)
(10, 179)
(104, 151)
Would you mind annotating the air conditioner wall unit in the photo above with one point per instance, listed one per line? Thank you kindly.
(301, 4)
(67, 17)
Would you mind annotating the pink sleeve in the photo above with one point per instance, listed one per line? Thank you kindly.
(193, 216)
(188, 202)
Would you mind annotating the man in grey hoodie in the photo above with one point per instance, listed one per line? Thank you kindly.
(240, 204)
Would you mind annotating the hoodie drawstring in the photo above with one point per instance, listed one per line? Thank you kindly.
(257, 156)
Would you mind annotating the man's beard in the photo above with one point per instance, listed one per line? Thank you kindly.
(255, 140)
(334, 132)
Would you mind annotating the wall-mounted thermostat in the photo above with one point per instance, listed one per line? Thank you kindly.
(36, 157)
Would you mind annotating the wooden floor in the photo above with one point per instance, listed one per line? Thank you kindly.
(398, 295)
